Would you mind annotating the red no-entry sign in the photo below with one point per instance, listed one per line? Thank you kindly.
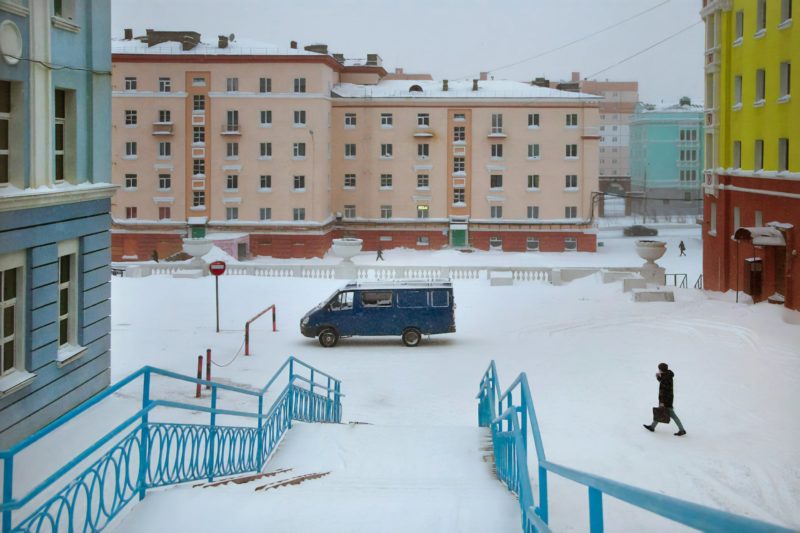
(217, 268)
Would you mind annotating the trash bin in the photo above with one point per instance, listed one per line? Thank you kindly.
(753, 267)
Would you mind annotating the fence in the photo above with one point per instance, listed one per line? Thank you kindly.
(138, 455)
(678, 280)
(510, 413)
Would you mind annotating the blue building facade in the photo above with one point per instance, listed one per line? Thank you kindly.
(667, 160)
(55, 199)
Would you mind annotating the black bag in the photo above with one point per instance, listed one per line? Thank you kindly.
(661, 414)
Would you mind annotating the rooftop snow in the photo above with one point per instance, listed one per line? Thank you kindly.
(238, 47)
(457, 89)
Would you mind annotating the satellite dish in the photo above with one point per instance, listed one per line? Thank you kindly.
(231, 37)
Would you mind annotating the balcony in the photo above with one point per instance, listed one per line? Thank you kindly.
(231, 129)
(497, 132)
(162, 128)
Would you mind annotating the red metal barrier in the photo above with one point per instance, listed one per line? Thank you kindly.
(199, 375)
(247, 327)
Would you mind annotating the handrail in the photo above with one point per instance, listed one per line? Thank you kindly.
(516, 415)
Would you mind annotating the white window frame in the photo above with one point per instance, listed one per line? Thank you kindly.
(265, 213)
(570, 211)
(231, 213)
(570, 244)
(534, 182)
(737, 154)
(131, 149)
(758, 154)
(497, 123)
(349, 211)
(423, 211)
(350, 120)
(264, 85)
(68, 249)
(496, 151)
(164, 150)
(571, 151)
(386, 211)
(265, 182)
(571, 182)
(10, 377)
(423, 151)
(386, 181)
(495, 211)
(737, 91)
(785, 81)
(387, 120)
(131, 182)
(532, 244)
(495, 243)
(423, 120)
(386, 150)
(350, 151)
(572, 120)
(783, 154)
(164, 212)
(130, 83)
(533, 121)
(299, 183)
(265, 150)
(164, 85)
(265, 118)
(299, 85)
(350, 181)
(298, 214)
(231, 182)
(761, 86)
(533, 212)
(534, 152)
(299, 118)
(131, 118)
(423, 182)
(298, 151)
(495, 182)
(232, 85)
(164, 179)
(232, 150)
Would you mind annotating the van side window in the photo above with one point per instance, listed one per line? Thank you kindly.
(342, 302)
(376, 298)
(440, 298)
(408, 299)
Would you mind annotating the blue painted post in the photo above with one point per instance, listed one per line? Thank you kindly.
(260, 436)
(144, 444)
(543, 512)
(8, 494)
(291, 394)
(328, 402)
(312, 381)
(211, 433)
(338, 400)
(595, 510)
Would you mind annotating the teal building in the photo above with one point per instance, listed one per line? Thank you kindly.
(667, 160)
(55, 199)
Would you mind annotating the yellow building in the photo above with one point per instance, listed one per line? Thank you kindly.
(752, 165)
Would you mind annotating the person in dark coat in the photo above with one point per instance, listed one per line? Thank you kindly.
(665, 397)
(682, 248)
(379, 256)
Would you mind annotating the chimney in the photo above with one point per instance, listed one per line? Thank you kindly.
(576, 76)
(223, 41)
(317, 48)
(374, 60)
(444, 85)
(293, 45)
(484, 76)
(474, 85)
(128, 34)
(541, 82)
(398, 71)
(339, 58)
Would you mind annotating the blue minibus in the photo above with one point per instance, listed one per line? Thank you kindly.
(409, 308)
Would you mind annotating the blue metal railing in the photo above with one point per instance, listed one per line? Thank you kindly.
(137, 454)
(510, 440)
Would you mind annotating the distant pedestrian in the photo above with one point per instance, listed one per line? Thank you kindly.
(154, 256)
(379, 257)
(682, 248)
(665, 397)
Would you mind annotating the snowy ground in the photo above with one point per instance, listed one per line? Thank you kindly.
(590, 355)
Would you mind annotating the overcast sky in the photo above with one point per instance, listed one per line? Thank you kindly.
(459, 38)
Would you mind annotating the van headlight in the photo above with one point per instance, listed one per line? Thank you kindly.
(304, 321)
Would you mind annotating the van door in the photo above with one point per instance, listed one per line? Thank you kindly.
(375, 313)
(341, 313)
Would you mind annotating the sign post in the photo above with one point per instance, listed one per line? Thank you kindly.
(217, 268)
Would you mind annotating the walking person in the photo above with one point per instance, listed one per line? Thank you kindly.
(665, 397)
(682, 248)
(379, 256)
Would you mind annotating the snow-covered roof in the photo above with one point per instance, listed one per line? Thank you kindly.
(456, 89)
(671, 108)
(761, 236)
(237, 47)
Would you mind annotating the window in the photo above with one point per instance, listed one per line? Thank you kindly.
(349, 181)
(232, 122)
(759, 218)
(164, 85)
(571, 151)
(232, 150)
(688, 155)
(570, 244)
(299, 85)
(459, 134)
(231, 213)
(533, 120)
(533, 181)
(386, 120)
(130, 117)
(300, 118)
(265, 213)
(786, 80)
(422, 211)
(131, 181)
(712, 230)
(198, 167)
(533, 151)
(265, 150)
(688, 135)
(760, 85)
(232, 85)
(497, 123)
(232, 182)
(533, 211)
(737, 90)
(5, 121)
(496, 181)
(758, 156)
(198, 102)
(386, 151)
(61, 134)
(786, 11)
(571, 181)
(130, 84)
(688, 175)
(299, 213)
(423, 181)
(266, 118)
(198, 199)
(164, 182)
(423, 151)
(164, 149)
(130, 151)
(497, 151)
(349, 120)
(572, 120)
(198, 134)
(299, 183)
(265, 85)
(422, 240)
(783, 154)
(265, 182)
(739, 25)
(376, 299)
(350, 150)
(299, 150)
(458, 117)
(458, 164)
(423, 120)
(761, 16)
(198, 82)
(532, 244)
(386, 181)
(349, 211)
(496, 211)
(737, 154)
(67, 291)
(386, 211)
(571, 211)
(164, 116)
(495, 243)
(459, 196)
(164, 213)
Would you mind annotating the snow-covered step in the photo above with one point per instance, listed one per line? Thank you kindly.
(348, 477)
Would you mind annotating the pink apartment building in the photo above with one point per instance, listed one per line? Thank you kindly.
(283, 149)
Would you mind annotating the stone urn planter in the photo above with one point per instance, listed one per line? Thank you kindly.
(346, 248)
(650, 251)
(197, 248)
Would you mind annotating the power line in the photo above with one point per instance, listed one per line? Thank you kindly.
(640, 52)
(561, 47)
(54, 66)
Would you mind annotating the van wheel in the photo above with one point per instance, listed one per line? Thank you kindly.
(411, 337)
(328, 337)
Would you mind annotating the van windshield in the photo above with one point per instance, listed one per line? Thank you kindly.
(341, 301)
